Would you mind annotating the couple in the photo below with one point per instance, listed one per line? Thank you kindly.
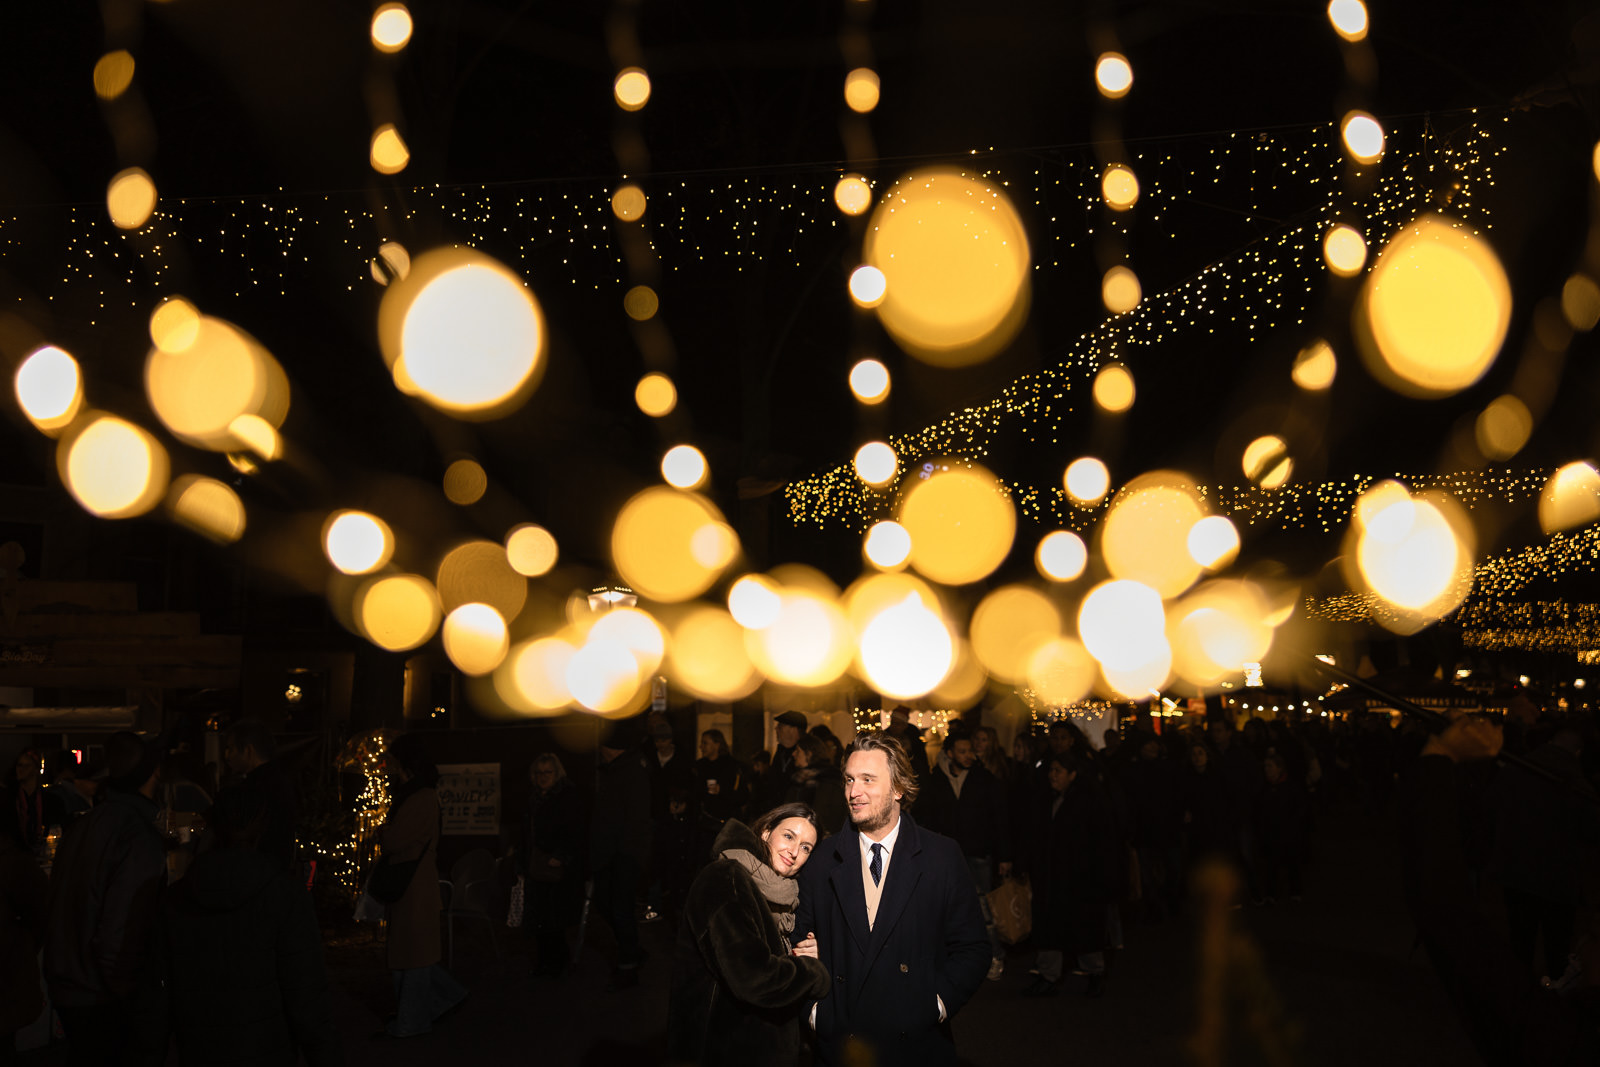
(875, 945)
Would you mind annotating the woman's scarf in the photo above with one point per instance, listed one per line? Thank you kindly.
(781, 894)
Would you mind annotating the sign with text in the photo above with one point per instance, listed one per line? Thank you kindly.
(469, 798)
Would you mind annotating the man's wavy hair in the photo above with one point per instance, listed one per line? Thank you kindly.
(901, 777)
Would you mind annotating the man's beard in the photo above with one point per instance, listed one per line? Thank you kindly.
(875, 818)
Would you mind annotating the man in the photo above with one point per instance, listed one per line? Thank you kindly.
(789, 726)
(99, 960)
(619, 842)
(896, 920)
(250, 752)
(965, 802)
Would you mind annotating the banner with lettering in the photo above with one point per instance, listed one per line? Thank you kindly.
(469, 798)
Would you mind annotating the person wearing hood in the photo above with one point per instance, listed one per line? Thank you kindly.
(243, 957)
(741, 972)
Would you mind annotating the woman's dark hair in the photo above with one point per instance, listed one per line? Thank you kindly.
(717, 736)
(828, 737)
(1070, 761)
(763, 823)
(813, 749)
(406, 751)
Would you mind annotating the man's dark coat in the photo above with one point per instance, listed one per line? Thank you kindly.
(928, 944)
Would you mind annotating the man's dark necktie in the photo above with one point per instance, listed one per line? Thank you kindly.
(876, 866)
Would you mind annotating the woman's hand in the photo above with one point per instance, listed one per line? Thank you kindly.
(808, 947)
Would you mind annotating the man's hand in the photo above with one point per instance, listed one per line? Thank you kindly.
(1467, 738)
(1005, 868)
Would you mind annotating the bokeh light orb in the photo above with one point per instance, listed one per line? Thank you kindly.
(1143, 679)
(631, 89)
(208, 507)
(637, 631)
(387, 152)
(707, 657)
(1266, 461)
(1314, 367)
(868, 286)
(1061, 671)
(531, 550)
(356, 542)
(1061, 556)
(1120, 187)
(641, 303)
(1213, 542)
(391, 27)
(869, 381)
(131, 198)
(1120, 290)
(200, 389)
(1087, 480)
(1113, 388)
(49, 388)
(1571, 498)
(852, 194)
(653, 544)
(656, 395)
(475, 639)
(753, 601)
(175, 324)
(876, 463)
(1008, 626)
(113, 73)
(684, 467)
(114, 469)
(603, 676)
(392, 262)
(861, 89)
(1413, 553)
(1123, 624)
(961, 525)
(1503, 427)
(1580, 302)
(1345, 250)
(887, 545)
(628, 203)
(397, 612)
(1217, 630)
(1349, 18)
(1145, 533)
(1363, 137)
(478, 572)
(465, 482)
(809, 643)
(906, 650)
(1113, 75)
(532, 678)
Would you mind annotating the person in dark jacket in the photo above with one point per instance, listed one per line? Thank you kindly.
(719, 789)
(25, 798)
(964, 802)
(244, 953)
(105, 894)
(1282, 818)
(817, 783)
(903, 730)
(619, 843)
(741, 972)
(24, 911)
(552, 862)
(1074, 872)
(774, 783)
(251, 754)
(1155, 794)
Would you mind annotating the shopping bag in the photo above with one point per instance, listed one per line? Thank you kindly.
(1011, 902)
(514, 911)
(368, 910)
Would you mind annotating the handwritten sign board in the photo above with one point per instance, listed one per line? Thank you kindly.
(469, 797)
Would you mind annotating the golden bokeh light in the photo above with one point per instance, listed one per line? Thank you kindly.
(684, 467)
(877, 592)
(1120, 291)
(475, 639)
(656, 395)
(113, 73)
(852, 194)
(1349, 18)
(868, 286)
(1413, 553)
(708, 658)
(1217, 629)
(955, 259)
(753, 601)
(1123, 624)
(1345, 250)
(1087, 480)
(114, 469)
(641, 303)
(1571, 498)
(531, 550)
(635, 630)
(887, 545)
(653, 544)
(397, 612)
(392, 262)
(463, 332)
(1009, 626)
(1120, 187)
(1434, 309)
(387, 152)
(131, 198)
(1145, 534)
(208, 507)
(631, 89)
(808, 644)
(1141, 680)
(1580, 302)
(905, 650)
(1314, 367)
(174, 324)
(1061, 671)
(532, 678)
(861, 89)
(356, 542)
(1213, 542)
(1061, 556)
(1113, 74)
(876, 463)
(869, 381)
(199, 389)
(1363, 137)
(465, 482)
(961, 525)
(628, 203)
(1503, 427)
(391, 29)
(1113, 388)
(603, 676)
(49, 388)
(714, 545)
(478, 572)
(257, 435)
(1266, 461)
(964, 683)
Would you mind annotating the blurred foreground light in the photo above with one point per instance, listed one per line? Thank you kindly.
(1413, 553)
(1061, 672)
(387, 152)
(869, 381)
(867, 286)
(641, 303)
(199, 389)
(1580, 302)
(1114, 75)
(653, 544)
(398, 612)
(1217, 629)
(1213, 542)
(1122, 624)
(478, 572)
(1266, 461)
(113, 73)
(876, 592)
(887, 545)
(876, 463)
(1061, 556)
(631, 89)
(635, 630)
(1120, 291)
(1349, 18)
(533, 677)
(754, 602)
(1113, 388)
(955, 259)
(656, 395)
(684, 467)
(852, 194)
(1145, 534)
(174, 324)
(1503, 427)
(49, 388)
(465, 482)
(906, 650)
(208, 507)
(1314, 367)
(475, 639)
(114, 469)
(1434, 309)
(1087, 480)
(257, 435)
(1143, 679)
(603, 676)
(391, 263)
(961, 525)
(131, 198)
(391, 27)
(707, 656)
(356, 542)
(964, 683)
(1008, 626)
(1570, 498)
(861, 89)
(1345, 250)
(531, 550)
(1363, 137)
(628, 203)
(464, 333)
(1120, 187)
(808, 644)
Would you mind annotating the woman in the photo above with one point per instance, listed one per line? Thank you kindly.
(423, 989)
(817, 783)
(1074, 874)
(987, 744)
(552, 861)
(720, 786)
(739, 979)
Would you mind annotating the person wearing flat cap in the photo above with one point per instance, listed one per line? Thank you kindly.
(789, 726)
